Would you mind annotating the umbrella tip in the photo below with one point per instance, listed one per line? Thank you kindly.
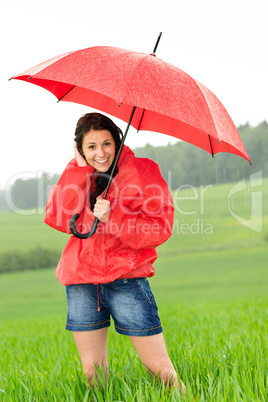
(157, 42)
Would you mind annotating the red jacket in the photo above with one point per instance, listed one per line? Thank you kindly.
(141, 219)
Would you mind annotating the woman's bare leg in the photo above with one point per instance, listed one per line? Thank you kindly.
(153, 354)
(92, 348)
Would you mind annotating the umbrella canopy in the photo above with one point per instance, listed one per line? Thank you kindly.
(167, 100)
(142, 90)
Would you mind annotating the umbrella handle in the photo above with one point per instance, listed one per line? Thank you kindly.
(83, 235)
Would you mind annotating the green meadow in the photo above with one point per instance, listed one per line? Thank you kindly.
(211, 286)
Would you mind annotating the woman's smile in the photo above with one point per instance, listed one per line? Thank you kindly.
(99, 149)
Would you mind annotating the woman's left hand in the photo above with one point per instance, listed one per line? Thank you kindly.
(79, 158)
(102, 210)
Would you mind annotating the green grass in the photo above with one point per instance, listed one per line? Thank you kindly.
(28, 231)
(216, 336)
(212, 293)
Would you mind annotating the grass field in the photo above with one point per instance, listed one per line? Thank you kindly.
(211, 286)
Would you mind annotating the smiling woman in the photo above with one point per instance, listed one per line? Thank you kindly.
(106, 275)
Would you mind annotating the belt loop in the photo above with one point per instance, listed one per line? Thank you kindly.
(98, 296)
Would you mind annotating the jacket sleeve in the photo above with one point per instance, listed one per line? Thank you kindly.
(70, 196)
(142, 215)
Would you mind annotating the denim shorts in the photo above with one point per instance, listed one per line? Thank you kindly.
(130, 302)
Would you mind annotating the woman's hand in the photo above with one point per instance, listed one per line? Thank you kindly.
(79, 158)
(102, 210)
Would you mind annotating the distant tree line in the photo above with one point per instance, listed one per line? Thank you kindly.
(35, 258)
(189, 164)
(32, 193)
(180, 164)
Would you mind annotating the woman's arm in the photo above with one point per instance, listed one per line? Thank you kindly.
(142, 215)
(70, 196)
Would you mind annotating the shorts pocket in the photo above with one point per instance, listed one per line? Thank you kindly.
(145, 289)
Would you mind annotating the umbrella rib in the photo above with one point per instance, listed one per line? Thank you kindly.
(66, 94)
(140, 121)
(210, 143)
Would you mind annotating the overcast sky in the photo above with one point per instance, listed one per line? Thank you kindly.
(221, 43)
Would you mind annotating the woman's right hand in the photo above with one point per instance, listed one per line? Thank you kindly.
(102, 209)
(79, 158)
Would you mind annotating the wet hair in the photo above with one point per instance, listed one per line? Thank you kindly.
(97, 121)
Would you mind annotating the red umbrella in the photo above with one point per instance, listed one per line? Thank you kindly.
(145, 91)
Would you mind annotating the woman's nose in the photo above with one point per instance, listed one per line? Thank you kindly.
(101, 152)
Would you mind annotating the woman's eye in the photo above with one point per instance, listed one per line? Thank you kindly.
(107, 144)
(91, 146)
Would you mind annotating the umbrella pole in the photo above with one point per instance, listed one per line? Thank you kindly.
(96, 220)
(119, 151)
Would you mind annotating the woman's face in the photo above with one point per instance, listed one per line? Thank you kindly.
(98, 146)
